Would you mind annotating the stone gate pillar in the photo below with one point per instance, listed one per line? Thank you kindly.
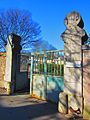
(74, 37)
(12, 49)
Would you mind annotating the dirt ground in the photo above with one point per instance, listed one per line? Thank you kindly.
(22, 107)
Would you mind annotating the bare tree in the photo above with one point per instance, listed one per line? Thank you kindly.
(19, 22)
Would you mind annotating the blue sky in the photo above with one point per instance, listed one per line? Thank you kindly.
(50, 15)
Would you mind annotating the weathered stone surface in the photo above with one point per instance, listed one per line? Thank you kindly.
(62, 104)
(69, 100)
(73, 20)
(8, 64)
(72, 80)
(12, 49)
(86, 82)
(73, 54)
(73, 41)
(8, 67)
(73, 88)
(4, 87)
(72, 74)
(2, 65)
(74, 101)
(2, 72)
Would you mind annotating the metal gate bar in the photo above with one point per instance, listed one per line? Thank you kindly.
(46, 76)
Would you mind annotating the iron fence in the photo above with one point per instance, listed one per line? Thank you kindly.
(53, 61)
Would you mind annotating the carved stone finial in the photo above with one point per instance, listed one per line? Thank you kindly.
(73, 19)
(74, 28)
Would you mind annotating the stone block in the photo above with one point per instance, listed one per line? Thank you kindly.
(73, 88)
(72, 46)
(86, 83)
(63, 103)
(75, 102)
(2, 84)
(72, 74)
(5, 87)
(86, 113)
(2, 65)
(69, 100)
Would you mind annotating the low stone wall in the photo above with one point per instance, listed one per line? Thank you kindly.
(2, 71)
(2, 65)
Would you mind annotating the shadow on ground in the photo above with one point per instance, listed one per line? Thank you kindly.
(15, 108)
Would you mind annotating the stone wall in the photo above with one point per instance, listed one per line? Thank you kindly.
(86, 82)
(2, 65)
(2, 72)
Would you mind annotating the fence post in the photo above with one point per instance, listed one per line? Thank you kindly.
(31, 73)
(45, 73)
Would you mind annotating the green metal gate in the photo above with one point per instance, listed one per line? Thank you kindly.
(46, 75)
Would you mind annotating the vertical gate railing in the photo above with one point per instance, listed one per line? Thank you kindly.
(47, 69)
(54, 63)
